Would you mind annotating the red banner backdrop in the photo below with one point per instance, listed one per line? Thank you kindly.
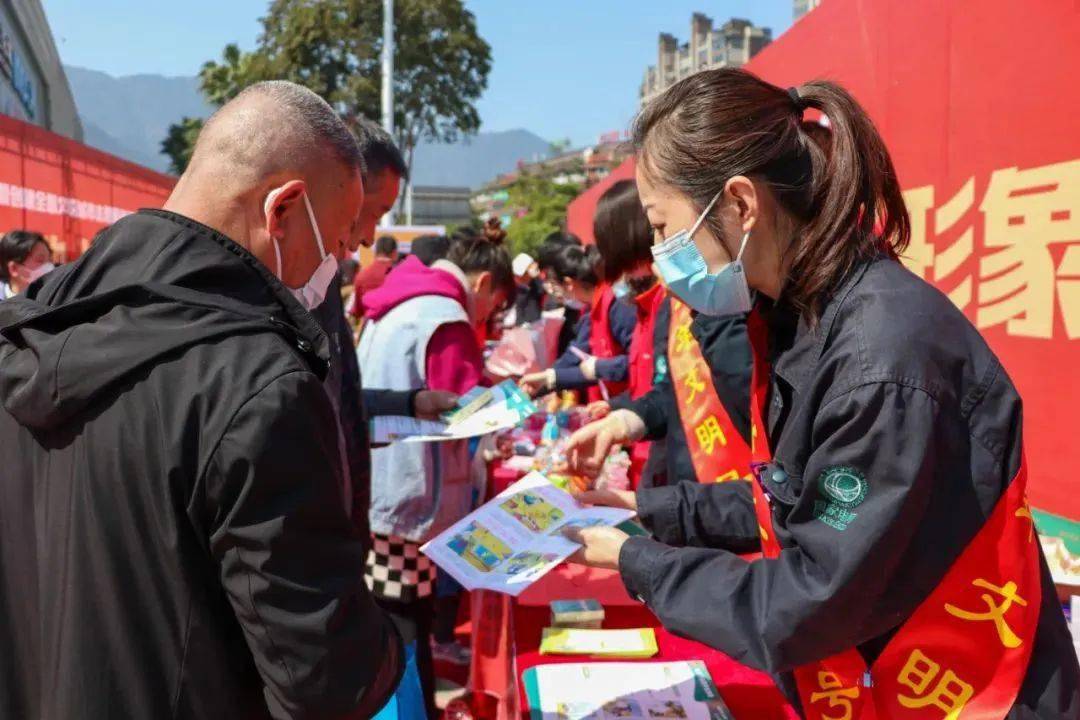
(976, 101)
(68, 191)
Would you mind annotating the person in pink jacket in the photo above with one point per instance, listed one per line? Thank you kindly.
(421, 331)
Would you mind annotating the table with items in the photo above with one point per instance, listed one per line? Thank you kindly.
(513, 653)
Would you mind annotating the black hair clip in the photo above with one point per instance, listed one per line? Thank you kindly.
(799, 103)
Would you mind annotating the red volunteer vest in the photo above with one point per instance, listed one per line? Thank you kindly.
(601, 342)
(642, 366)
(963, 653)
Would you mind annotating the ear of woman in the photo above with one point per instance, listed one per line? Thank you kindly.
(752, 210)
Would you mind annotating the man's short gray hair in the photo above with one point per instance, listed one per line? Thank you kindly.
(309, 119)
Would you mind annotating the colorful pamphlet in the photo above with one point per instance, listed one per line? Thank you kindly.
(638, 643)
(480, 411)
(516, 538)
(623, 691)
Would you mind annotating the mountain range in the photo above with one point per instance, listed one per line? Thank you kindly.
(129, 116)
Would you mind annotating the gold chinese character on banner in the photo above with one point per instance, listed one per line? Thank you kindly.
(838, 696)
(693, 383)
(1025, 513)
(994, 612)
(950, 694)
(1026, 213)
(709, 433)
(949, 220)
(683, 338)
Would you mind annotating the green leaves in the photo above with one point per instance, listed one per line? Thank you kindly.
(180, 141)
(441, 65)
(544, 205)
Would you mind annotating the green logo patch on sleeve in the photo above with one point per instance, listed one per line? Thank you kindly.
(841, 489)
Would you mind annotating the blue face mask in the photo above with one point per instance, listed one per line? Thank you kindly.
(620, 289)
(685, 273)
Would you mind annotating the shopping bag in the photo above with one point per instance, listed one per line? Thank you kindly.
(407, 702)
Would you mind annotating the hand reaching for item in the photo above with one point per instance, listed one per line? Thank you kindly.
(590, 446)
(600, 546)
(537, 383)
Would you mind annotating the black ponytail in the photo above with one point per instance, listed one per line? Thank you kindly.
(581, 264)
(485, 252)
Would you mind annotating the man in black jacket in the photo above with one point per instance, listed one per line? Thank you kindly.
(174, 540)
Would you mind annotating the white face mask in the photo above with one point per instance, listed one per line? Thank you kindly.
(313, 293)
(40, 271)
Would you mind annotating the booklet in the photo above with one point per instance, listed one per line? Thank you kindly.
(516, 538)
(629, 691)
(480, 411)
(637, 643)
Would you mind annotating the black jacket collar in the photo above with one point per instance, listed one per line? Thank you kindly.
(796, 345)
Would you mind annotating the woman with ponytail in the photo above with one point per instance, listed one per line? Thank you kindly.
(901, 576)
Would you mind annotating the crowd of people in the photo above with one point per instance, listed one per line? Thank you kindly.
(194, 522)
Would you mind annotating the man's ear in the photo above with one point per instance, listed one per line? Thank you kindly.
(281, 202)
(12, 266)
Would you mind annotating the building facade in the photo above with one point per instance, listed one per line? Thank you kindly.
(33, 86)
(804, 6)
(441, 205)
(730, 45)
(583, 167)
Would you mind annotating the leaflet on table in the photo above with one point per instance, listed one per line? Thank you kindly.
(626, 691)
(480, 411)
(516, 538)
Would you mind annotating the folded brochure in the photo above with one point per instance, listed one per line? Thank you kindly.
(480, 411)
(638, 643)
(516, 538)
(629, 691)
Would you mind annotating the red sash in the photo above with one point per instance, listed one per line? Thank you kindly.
(964, 651)
(601, 342)
(717, 450)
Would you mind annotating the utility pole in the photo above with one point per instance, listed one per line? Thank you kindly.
(388, 80)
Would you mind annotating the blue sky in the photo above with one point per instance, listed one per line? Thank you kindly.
(562, 68)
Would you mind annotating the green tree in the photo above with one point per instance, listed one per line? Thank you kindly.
(544, 206)
(221, 82)
(180, 141)
(441, 63)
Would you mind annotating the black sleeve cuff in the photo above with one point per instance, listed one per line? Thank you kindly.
(657, 509)
(570, 378)
(636, 560)
(412, 402)
(388, 402)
